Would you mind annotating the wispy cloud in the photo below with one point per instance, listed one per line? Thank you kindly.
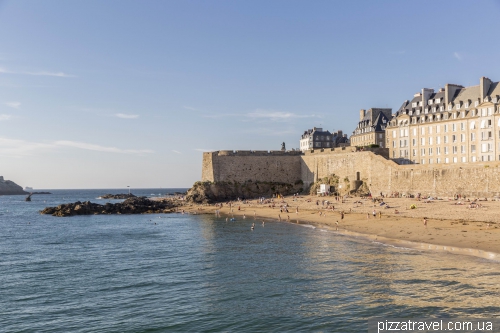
(94, 147)
(204, 150)
(126, 116)
(176, 151)
(190, 108)
(39, 73)
(44, 73)
(277, 115)
(14, 105)
(19, 148)
(457, 55)
(5, 117)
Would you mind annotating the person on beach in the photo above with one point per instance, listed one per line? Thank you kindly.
(244, 216)
(263, 223)
(380, 214)
(279, 217)
(297, 210)
(342, 215)
(374, 214)
(367, 216)
(337, 225)
(425, 222)
(288, 218)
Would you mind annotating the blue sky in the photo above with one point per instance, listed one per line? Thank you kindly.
(97, 94)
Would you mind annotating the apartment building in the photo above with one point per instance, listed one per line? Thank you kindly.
(316, 138)
(453, 125)
(371, 127)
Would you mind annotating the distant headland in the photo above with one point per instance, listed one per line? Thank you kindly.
(8, 187)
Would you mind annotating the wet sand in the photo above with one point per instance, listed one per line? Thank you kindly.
(449, 225)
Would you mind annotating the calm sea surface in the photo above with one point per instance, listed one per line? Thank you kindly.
(180, 273)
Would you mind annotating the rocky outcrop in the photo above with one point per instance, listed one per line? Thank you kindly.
(8, 187)
(137, 205)
(117, 196)
(208, 192)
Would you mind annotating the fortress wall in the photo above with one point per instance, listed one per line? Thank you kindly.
(380, 174)
(256, 166)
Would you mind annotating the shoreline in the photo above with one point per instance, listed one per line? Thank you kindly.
(457, 234)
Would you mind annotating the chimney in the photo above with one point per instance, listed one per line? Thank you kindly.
(361, 114)
(484, 87)
(449, 92)
(426, 93)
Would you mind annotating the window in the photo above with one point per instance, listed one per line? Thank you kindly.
(414, 152)
(449, 107)
(422, 130)
(446, 150)
(462, 149)
(422, 161)
(413, 142)
(473, 158)
(484, 148)
(476, 103)
(393, 134)
(464, 159)
(393, 154)
(430, 151)
(490, 111)
(473, 148)
(445, 128)
(446, 160)
(445, 139)
(454, 138)
(438, 150)
(454, 149)
(393, 144)
(415, 131)
(466, 105)
(414, 105)
(437, 128)
(430, 160)
(422, 141)
(430, 140)
(422, 151)
(438, 100)
(438, 140)
(455, 160)
(458, 106)
(438, 160)
(472, 136)
(430, 129)
(454, 127)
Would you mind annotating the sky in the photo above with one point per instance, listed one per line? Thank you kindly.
(117, 93)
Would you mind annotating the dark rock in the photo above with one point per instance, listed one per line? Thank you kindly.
(117, 196)
(8, 187)
(134, 205)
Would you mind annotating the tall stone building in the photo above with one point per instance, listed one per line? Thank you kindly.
(453, 125)
(316, 138)
(371, 127)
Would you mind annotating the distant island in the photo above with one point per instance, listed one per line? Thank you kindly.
(8, 187)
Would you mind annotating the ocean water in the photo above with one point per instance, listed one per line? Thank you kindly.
(185, 273)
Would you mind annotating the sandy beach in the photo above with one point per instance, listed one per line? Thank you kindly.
(450, 224)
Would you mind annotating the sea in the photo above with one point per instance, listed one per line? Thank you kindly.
(199, 273)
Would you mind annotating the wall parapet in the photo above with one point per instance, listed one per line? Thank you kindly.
(255, 153)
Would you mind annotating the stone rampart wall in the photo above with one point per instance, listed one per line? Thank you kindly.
(277, 166)
(379, 173)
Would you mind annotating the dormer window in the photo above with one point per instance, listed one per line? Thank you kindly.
(466, 105)
(438, 100)
(441, 108)
(429, 102)
(458, 106)
(495, 100)
(433, 110)
(449, 107)
(414, 105)
(476, 103)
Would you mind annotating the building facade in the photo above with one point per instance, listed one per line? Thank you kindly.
(453, 125)
(371, 127)
(316, 138)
